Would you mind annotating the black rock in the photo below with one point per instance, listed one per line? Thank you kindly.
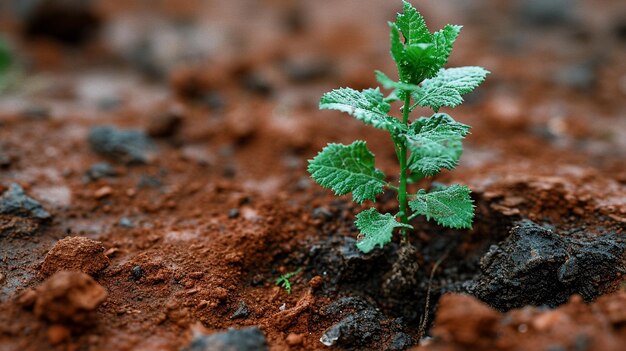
(241, 312)
(247, 339)
(357, 328)
(100, 170)
(15, 202)
(136, 273)
(400, 341)
(536, 266)
(128, 146)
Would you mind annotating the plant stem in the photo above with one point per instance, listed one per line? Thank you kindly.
(402, 198)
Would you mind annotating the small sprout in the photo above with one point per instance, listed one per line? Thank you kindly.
(424, 146)
(283, 280)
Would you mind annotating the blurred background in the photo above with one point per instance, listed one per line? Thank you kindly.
(559, 66)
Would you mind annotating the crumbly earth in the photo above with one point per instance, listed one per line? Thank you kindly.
(194, 189)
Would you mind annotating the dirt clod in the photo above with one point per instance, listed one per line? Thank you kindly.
(76, 254)
(247, 339)
(549, 267)
(68, 296)
(478, 320)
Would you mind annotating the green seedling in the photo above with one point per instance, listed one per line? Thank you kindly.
(424, 146)
(283, 280)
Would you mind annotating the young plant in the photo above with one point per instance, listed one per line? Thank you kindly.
(423, 146)
(283, 280)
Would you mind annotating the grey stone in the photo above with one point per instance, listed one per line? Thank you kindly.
(241, 312)
(15, 202)
(247, 339)
(100, 170)
(128, 146)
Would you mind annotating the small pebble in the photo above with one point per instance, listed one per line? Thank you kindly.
(125, 222)
(294, 339)
(57, 334)
(103, 192)
(136, 273)
(241, 312)
(233, 213)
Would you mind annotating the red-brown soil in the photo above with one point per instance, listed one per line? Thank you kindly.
(222, 205)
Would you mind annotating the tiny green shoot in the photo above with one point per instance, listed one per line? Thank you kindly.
(424, 146)
(283, 280)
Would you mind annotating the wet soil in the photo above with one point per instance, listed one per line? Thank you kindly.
(153, 181)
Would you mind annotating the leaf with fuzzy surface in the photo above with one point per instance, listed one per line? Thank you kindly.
(368, 106)
(450, 206)
(389, 83)
(377, 229)
(435, 143)
(348, 169)
(412, 25)
(421, 54)
(443, 41)
(446, 88)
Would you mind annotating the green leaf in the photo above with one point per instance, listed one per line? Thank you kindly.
(446, 88)
(367, 106)
(449, 206)
(422, 54)
(348, 168)
(412, 25)
(377, 229)
(435, 143)
(389, 83)
(435, 97)
(443, 41)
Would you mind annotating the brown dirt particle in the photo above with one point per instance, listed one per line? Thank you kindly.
(294, 339)
(68, 296)
(103, 192)
(316, 282)
(57, 334)
(468, 325)
(77, 254)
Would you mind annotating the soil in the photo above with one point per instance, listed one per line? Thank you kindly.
(153, 180)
